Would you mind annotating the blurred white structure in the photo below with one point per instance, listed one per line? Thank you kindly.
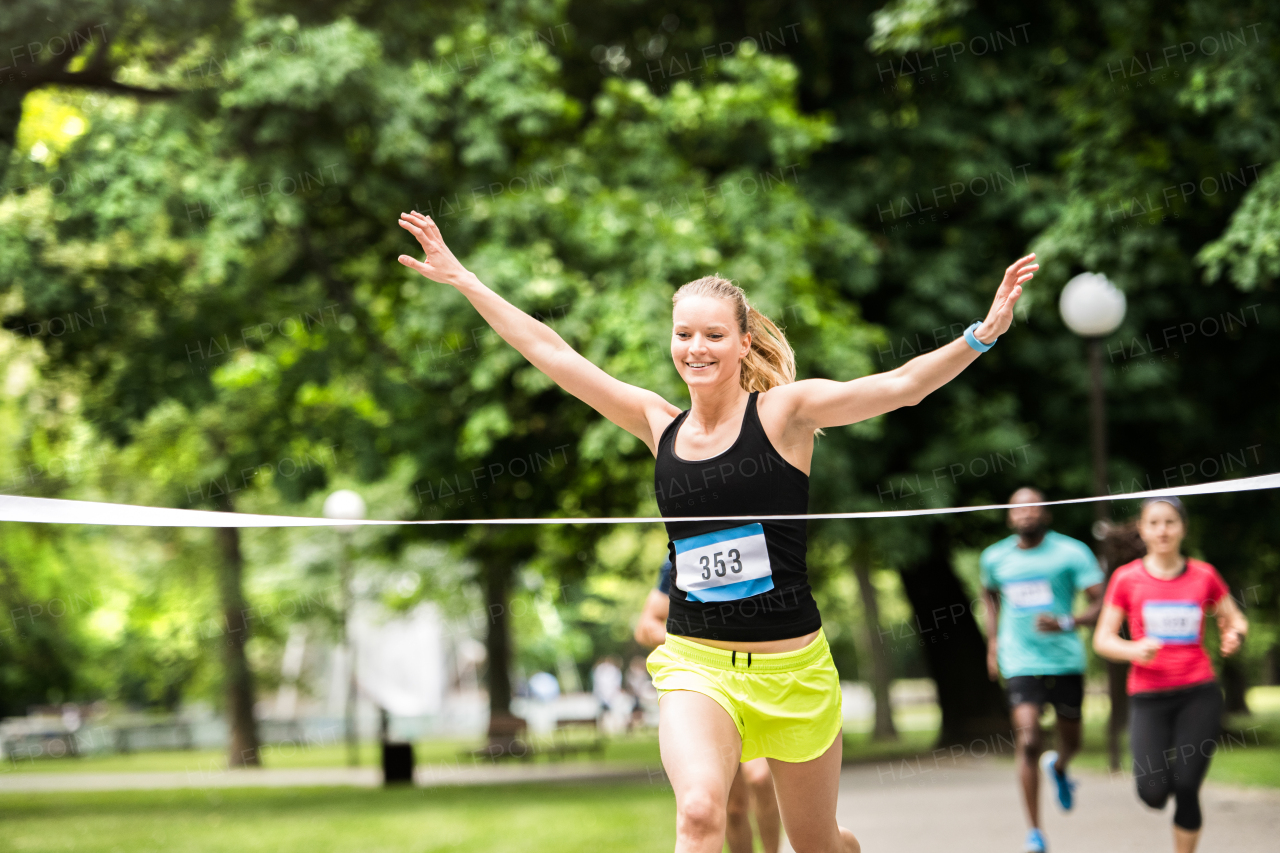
(347, 505)
(1091, 305)
(400, 659)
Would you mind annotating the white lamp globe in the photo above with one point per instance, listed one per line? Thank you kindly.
(344, 504)
(1091, 305)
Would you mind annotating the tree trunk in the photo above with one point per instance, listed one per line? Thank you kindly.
(880, 675)
(973, 707)
(11, 98)
(1118, 718)
(1271, 665)
(243, 748)
(1120, 544)
(503, 727)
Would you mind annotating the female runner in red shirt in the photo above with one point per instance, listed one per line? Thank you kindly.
(1176, 705)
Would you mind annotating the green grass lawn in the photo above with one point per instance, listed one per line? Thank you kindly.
(551, 818)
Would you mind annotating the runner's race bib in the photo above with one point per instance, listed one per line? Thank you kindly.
(1172, 621)
(724, 566)
(1028, 595)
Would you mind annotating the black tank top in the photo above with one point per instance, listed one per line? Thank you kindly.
(736, 580)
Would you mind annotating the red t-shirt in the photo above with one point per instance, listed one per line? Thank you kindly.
(1172, 611)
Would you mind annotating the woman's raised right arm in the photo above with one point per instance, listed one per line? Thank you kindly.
(640, 412)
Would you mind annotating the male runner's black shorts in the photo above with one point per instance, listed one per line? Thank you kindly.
(1066, 692)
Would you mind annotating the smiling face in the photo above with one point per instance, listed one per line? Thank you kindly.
(1161, 529)
(706, 345)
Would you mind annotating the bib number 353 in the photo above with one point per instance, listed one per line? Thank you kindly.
(726, 565)
(712, 564)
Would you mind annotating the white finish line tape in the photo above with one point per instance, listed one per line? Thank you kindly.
(54, 511)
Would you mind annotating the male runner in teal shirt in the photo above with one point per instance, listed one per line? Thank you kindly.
(1030, 581)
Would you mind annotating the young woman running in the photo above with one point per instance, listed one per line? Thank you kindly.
(752, 788)
(1176, 706)
(745, 671)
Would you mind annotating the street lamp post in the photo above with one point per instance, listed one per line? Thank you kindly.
(347, 505)
(1092, 307)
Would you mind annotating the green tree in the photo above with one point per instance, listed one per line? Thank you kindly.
(967, 132)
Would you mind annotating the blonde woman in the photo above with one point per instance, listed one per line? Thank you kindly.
(752, 788)
(745, 671)
(1175, 703)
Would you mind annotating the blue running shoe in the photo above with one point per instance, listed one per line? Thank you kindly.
(1035, 841)
(1066, 788)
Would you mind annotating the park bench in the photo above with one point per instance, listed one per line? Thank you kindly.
(508, 739)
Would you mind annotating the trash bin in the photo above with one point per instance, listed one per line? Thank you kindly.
(397, 763)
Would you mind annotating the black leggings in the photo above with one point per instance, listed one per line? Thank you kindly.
(1173, 735)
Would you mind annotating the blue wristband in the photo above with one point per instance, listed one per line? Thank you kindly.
(973, 341)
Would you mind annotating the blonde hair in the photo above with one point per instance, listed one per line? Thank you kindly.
(770, 361)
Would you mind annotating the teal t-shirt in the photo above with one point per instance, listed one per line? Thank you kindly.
(1043, 579)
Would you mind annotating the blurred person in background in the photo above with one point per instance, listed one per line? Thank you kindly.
(1030, 581)
(752, 789)
(641, 686)
(1175, 702)
(616, 703)
(544, 687)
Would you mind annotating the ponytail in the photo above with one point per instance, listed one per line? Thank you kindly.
(770, 361)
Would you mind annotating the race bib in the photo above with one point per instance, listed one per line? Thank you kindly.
(1028, 595)
(724, 566)
(1172, 621)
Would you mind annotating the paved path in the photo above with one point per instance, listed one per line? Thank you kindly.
(976, 808)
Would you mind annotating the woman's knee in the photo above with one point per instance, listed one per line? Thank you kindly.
(699, 814)
(739, 802)
(1153, 791)
(758, 777)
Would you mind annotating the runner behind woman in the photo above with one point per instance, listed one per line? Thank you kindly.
(745, 671)
(1030, 581)
(752, 789)
(1176, 705)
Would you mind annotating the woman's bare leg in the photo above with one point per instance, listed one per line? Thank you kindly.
(807, 799)
(1185, 840)
(701, 749)
(764, 802)
(737, 831)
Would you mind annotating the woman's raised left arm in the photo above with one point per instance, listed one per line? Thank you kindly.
(816, 403)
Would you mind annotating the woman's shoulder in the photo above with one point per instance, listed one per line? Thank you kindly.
(1127, 573)
(1134, 565)
(1203, 569)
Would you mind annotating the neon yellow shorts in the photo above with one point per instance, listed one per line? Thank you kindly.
(786, 705)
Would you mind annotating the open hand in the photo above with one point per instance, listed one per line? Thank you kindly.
(440, 264)
(1000, 317)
